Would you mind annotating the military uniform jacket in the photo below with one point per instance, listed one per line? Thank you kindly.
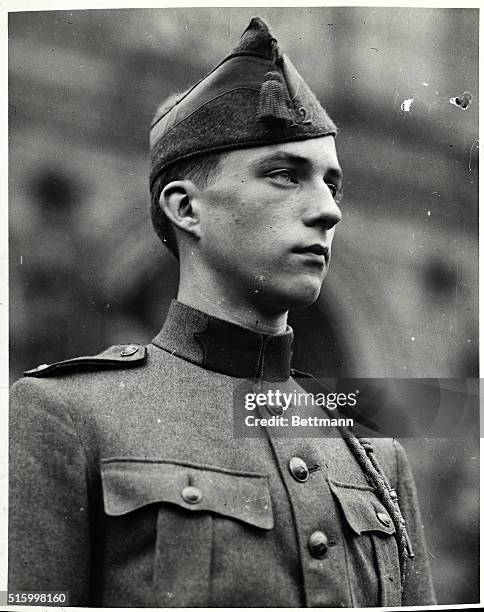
(128, 486)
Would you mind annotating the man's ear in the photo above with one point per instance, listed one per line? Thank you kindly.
(178, 201)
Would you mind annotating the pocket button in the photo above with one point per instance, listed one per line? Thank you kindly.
(318, 544)
(192, 495)
(384, 519)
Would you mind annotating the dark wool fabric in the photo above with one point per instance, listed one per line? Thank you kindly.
(221, 112)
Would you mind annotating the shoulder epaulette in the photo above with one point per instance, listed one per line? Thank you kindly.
(118, 356)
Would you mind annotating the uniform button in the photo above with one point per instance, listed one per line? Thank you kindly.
(318, 544)
(131, 349)
(384, 519)
(192, 495)
(299, 469)
(276, 410)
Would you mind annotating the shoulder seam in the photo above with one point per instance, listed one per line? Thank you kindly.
(74, 422)
(67, 411)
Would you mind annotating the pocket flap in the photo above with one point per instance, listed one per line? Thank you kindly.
(362, 509)
(132, 484)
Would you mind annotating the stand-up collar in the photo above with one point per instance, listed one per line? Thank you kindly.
(224, 347)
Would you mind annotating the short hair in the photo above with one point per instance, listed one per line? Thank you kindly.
(201, 169)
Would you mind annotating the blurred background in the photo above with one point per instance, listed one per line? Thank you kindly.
(87, 271)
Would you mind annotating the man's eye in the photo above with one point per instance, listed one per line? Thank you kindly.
(336, 191)
(283, 176)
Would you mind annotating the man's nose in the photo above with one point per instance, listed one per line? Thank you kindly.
(323, 209)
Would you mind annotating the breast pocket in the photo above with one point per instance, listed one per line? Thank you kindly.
(372, 551)
(184, 501)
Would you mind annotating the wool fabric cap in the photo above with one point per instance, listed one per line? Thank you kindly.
(254, 97)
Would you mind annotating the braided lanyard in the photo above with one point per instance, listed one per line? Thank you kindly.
(363, 451)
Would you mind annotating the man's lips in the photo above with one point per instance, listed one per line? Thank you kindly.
(313, 249)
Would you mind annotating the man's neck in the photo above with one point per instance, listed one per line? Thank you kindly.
(238, 314)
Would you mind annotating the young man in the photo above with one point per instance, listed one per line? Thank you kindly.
(128, 486)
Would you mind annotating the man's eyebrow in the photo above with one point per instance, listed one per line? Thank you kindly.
(282, 156)
(296, 160)
(336, 173)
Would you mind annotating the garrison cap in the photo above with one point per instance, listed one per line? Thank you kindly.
(254, 97)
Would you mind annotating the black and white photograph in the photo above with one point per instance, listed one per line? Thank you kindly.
(243, 265)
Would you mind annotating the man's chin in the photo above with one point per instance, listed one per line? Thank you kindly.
(304, 299)
(297, 296)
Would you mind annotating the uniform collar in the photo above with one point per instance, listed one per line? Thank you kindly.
(224, 347)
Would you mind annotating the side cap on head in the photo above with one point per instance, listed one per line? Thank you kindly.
(254, 97)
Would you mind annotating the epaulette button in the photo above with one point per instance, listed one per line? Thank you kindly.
(131, 349)
(384, 519)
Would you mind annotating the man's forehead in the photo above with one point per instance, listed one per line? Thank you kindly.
(316, 152)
